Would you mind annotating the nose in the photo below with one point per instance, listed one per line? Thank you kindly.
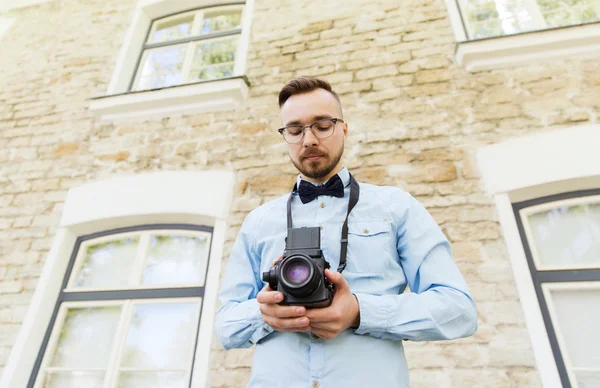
(309, 138)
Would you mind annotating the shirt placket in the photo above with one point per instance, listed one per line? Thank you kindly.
(317, 345)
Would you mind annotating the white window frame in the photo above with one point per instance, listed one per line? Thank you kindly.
(120, 104)
(524, 48)
(531, 167)
(176, 197)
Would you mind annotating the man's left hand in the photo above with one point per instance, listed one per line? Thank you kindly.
(343, 312)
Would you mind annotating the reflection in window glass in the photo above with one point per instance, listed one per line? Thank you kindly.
(577, 325)
(173, 29)
(152, 379)
(218, 21)
(567, 236)
(568, 12)
(74, 380)
(162, 67)
(86, 338)
(161, 336)
(175, 260)
(489, 18)
(108, 265)
(214, 59)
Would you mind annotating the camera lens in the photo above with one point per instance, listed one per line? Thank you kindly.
(297, 272)
(299, 276)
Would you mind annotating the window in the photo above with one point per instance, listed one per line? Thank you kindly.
(561, 237)
(108, 285)
(500, 33)
(177, 60)
(546, 188)
(129, 311)
(189, 47)
(493, 18)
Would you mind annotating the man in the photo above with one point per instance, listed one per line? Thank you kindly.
(393, 242)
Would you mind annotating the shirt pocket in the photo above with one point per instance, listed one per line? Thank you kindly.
(371, 247)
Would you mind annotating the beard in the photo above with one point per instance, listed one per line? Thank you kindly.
(318, 169)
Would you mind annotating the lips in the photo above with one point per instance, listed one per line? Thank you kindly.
(313, 157)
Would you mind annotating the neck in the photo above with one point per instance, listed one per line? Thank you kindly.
(325, 178)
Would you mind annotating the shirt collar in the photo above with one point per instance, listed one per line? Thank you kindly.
(343, 174)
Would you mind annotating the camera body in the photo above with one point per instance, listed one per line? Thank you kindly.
(300, 274)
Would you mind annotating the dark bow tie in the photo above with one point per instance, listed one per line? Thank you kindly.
(334, 187)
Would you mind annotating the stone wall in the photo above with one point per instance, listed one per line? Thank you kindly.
(416, 120)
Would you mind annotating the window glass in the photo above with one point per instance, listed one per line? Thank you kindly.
(74, 379)
(174, 259)
(153, 379)
(172, 29)
(107, 264)
(576, 324)
(220, 20)
(489, 18)
(162, 67)
(214, 59)
(566, 236)
(161, 336)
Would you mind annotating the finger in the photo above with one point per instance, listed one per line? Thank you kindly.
(269, 296)
(288, 324)
(320, 315)
(278, 311)
(324, 334)
(276, 260)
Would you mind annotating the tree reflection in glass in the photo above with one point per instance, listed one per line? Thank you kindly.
(175, 260)
(568, 235)
(214, 59)
(108, 265)
(161, 336)
(86, 337)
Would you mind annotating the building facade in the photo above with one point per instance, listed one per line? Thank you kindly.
(136, 136)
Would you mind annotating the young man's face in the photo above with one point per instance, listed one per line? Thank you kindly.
(315, 158)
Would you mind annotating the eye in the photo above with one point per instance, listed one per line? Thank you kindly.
(294, 131)
(324, 125)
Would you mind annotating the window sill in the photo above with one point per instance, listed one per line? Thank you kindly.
(206, 96)
(527, 48)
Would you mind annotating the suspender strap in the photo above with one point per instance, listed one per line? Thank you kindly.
(354, 195)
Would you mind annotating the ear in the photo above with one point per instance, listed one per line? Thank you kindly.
(345, 129)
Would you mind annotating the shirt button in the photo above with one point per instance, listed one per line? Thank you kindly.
(366, 231)
(322, 204)
(266, 330)
(367, 334)
(315, 384)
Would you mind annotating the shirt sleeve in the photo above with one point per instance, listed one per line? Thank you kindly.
(239, 322)
(439, 306)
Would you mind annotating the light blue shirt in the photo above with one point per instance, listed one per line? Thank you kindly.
(393, 242)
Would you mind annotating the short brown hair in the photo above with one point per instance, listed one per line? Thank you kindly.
(303, 85)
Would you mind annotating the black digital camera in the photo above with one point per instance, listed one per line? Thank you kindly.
(300, 274)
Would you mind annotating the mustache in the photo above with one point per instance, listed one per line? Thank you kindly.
(313, 152)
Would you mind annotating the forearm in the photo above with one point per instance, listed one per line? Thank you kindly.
(440, 313)
(240, 324)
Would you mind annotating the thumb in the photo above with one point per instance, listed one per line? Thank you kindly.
(337, 279)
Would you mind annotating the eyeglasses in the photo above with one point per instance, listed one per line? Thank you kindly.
(322, 129)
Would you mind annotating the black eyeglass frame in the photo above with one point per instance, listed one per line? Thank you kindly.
(333, 120)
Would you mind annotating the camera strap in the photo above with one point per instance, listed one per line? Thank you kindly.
(354, 195)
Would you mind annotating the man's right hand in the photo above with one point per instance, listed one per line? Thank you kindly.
(281, 318)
